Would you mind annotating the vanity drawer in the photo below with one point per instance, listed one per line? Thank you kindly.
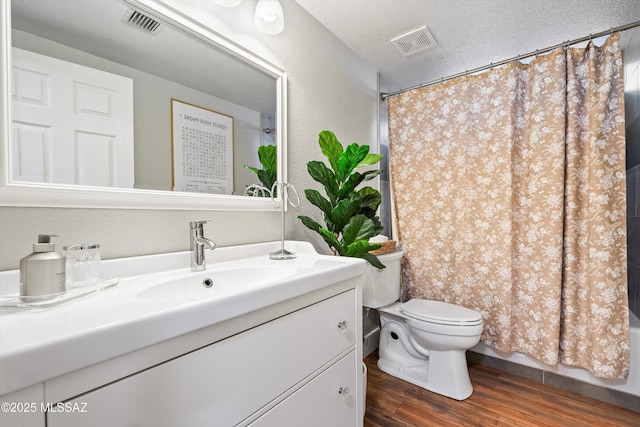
(226, 382)
(328, 400)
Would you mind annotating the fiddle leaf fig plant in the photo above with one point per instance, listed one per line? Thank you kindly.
(349, 213)
(267, 155)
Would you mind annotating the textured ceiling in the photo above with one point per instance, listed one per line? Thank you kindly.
(469, 33)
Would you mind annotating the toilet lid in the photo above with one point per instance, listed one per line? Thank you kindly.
(440, 312)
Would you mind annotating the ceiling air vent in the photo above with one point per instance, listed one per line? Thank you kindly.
(142, 22)
(414, 41)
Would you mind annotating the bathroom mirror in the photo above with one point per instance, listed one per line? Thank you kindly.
(170, 60)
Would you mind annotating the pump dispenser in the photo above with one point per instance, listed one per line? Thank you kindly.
(42, 273)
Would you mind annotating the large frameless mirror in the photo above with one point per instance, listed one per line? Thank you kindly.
(131, 104)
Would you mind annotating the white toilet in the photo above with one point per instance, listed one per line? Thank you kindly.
(421, 341)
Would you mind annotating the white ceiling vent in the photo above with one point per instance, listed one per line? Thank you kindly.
(414, 41)
(142, 22)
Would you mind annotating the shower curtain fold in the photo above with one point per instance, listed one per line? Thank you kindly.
(478, 168)
(595, 320)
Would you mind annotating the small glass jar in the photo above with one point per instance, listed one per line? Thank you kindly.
(83, 264)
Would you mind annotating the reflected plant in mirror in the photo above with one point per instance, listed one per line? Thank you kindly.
(267, 155)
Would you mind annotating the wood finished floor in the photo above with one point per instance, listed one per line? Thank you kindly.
(498, 399)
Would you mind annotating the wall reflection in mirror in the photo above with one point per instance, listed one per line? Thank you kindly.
(92, 87)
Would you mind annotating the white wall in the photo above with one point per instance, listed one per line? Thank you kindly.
(329, 88)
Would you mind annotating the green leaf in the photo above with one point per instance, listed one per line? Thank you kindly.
(370, 159)
(273, 175)
(360, 227)
(360, 249)
(350, 184)
(320, 173)
(369, 198)
(252, 169)
(332, 241)
(369, 175)
(344, 212)
(350, 159)
(267, 156)
(331, 148)
(376, 226)
(329, 238)
(316, 199)
(267, 177)
(373, 260)
(354, 180)
(310, 223)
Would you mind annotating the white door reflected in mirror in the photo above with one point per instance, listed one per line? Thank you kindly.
(71, 124)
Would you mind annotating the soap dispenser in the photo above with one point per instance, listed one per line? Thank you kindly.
(42, 273)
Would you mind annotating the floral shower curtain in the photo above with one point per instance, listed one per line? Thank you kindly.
(510, 198)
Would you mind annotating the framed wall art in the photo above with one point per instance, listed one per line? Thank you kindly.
(202, 149)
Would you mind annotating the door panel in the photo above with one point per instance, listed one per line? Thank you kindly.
(71, 124)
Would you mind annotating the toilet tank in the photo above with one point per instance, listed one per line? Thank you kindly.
(382, 286)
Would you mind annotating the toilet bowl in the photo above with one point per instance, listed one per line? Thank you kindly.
(422, 341)
(429, 352)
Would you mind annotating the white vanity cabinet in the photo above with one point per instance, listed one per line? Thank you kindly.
(256, 349)
(301, 368)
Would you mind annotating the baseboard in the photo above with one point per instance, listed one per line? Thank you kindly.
(614, 397)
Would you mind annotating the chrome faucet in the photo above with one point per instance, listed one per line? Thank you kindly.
(198, 243)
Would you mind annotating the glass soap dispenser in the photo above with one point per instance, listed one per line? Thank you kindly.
(42, 273)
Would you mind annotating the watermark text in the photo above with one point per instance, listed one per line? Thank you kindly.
(26, 407)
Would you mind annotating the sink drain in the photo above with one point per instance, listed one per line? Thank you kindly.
(207, 283)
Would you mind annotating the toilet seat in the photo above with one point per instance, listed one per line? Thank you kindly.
(440, 313)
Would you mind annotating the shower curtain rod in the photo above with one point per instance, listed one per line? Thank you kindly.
(386, 96)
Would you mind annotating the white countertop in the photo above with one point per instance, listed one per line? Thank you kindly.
(40, 344)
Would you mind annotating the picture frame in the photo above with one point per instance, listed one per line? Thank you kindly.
(201, 148)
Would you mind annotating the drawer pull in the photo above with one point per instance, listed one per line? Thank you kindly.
(344, 392)
(342, 325)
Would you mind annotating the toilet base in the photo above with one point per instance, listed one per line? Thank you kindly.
(445, 373)
(441, 371)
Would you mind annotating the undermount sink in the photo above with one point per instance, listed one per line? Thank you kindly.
(217, 282)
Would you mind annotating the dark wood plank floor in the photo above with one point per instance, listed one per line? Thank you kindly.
(498, 399)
